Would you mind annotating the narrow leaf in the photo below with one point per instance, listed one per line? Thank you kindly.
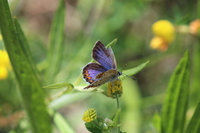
(194, 124)
(29, 86)
(59, 86)
(116, 118)
(157, 122)
(133, 71)
(62, 124)
(25, 47)
(175, 106)
(56, 42)
(111, 44)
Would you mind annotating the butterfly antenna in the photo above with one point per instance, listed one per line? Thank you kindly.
(121, 68)
(125, 75)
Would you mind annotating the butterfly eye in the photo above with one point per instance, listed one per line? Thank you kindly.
(119, 73)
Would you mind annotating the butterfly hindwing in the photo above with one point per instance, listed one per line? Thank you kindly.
(104, 56)
(91, 70)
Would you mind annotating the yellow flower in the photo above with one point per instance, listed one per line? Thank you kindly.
(89, 115)
(158, 43)
(0, 37)
(4, 59)
(4, 64)
(3, 73)
(195, 27)
(164, 29)
(114, 88)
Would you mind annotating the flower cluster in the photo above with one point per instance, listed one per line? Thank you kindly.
(114, 88)
(89, 115)
(164, 34)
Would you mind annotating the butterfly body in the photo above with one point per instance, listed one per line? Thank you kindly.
(104, 77)
(103, 71)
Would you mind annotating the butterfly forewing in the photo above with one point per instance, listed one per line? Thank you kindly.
(104, 56)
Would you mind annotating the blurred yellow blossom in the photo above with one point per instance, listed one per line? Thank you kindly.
(158, 43)
(4, 64)
(114, 88)
(195, 27)
(89, 115)
(164, 29)
(4, 59)
(164, 32)
(0, 37)
(3, 73)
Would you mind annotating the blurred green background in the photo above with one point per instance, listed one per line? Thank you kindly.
(86, 21)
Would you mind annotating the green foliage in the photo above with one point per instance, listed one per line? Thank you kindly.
(60, 61)
(56, 42)
(133, 71)
(175, 106)
(194, 124)
(195, 74)
(62, 124)
(30, 89)
(95, 126)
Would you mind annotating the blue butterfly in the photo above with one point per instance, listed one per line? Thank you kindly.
(104, 70)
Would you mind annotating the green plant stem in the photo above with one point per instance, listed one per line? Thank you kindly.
(118, 108)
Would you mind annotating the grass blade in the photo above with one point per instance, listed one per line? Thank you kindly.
(59, 86)
(194, 124)
(56, 41)
(111, 44)
(25, 46)
(29, 86)
(175, 106)
(61, 124)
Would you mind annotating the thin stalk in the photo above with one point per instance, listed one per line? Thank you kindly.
(118, 108)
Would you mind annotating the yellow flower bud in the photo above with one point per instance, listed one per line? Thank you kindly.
(89, 115)
(164, 29)
(158, 43)
(3, 73)
(115, 88)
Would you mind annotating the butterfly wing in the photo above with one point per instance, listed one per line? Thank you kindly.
(114, 63)
(91, 70)
(104, 56)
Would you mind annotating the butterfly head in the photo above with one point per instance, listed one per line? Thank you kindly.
(119, 73)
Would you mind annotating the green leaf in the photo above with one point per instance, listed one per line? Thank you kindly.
(59, 86)
(116, 118)
(157, 122)
(62, 124)
(133, 71)
(195, 73)
(29, 86)
(25, 46)
(175, 106)
(194, 124)
(111, 44)
(95, 126)
(56, 42)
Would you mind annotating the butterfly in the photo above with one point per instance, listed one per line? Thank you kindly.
(104, 70)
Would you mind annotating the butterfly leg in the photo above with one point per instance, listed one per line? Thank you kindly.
(94, 84)
(89, 86)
